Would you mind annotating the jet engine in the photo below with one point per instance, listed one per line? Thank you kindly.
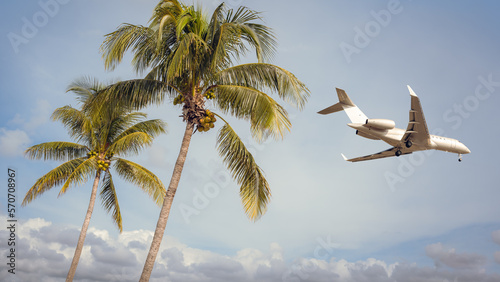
(382, 124)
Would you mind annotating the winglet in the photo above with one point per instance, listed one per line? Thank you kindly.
(345, 159)
(412, 93)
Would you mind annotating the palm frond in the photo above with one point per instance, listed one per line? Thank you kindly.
(110, 200)
(75, 121)
(85, 88)
(187, 56)
(153, 50)
(226, 46)
(267, 117)
(56, 151)
(141, 177)
(166, 7)
(265, 41)
(231, 38)
(138, 93)
(167, 21)
(131, 143)
(267, 76)
(55, 177)
(80, 174)
(118, 42)
(191, 20)
(254, 191)
(119, 124)
(152, 127)
(215, 21)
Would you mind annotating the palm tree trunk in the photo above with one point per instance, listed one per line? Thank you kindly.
(83, 232)
(167, 204)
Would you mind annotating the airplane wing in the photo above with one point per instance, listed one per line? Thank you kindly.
(384, 154)
(417, 130)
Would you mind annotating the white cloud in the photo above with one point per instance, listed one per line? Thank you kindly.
(13, 142)
(450, 258)
(45, 252)
(39, 115)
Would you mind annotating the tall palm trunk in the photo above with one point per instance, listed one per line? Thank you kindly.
(83, 232)
(167, 204)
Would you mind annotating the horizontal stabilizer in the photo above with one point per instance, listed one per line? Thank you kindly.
(332, 109)
(345, 104)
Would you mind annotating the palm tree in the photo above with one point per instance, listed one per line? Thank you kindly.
(190, 60)
(101, 139)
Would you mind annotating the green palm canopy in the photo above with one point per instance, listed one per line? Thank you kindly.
(101, 140)
(189, 60)
(103, 136)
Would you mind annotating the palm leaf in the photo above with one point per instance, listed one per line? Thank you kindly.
(267, 76)
(110, 200)
(215, 22)
(56, 151)
(75, 121)
(231, 38)
(55, 177)
(85, 88)
(141, 177)
(254, 191)
(226, 46)
(169, 20)
(80, 174)
(131, 143)
(166, 7)
(152, 128)
(187, 56)
(138, 93)
(267, 117)
(122, 123)
(264, 36)
(118, 42)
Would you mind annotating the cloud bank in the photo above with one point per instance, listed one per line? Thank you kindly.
(13, 142)
(44, 252)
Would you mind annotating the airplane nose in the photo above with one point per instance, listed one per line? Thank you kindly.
(464, 149)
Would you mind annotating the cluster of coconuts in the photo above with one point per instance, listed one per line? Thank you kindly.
(103, 165)
(91, 154)
(206, 122)
(209, 94)
(179, 100)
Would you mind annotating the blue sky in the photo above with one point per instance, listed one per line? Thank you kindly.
(424, 217)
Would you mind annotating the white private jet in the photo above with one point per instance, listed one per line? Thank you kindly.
(416, 137)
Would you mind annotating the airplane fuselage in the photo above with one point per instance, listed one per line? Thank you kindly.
(393, 137)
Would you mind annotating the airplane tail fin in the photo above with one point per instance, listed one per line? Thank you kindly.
(345, 104)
